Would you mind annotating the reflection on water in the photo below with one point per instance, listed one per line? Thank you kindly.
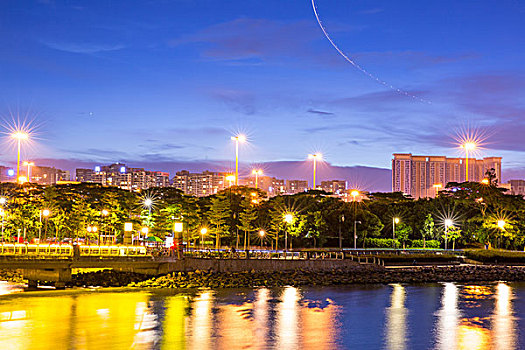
(396, 319)
(465, 317)
(448, 318)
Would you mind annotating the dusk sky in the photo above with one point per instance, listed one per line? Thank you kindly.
(171, 81)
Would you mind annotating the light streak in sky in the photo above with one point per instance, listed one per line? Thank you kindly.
(356, 65)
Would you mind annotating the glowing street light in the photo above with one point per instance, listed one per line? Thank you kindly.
(315, 157)
(394, 222)
(257, 173)
(448, 223)
(288, 218)
(230, 179)
(3, 201)
(485, 181)
(237, 139)
(437, 187)
(45, 213)
(468, 146)
(203, 232)
(19, 136)
(354, 194)
(22, 179)
(501, 224)
(29, 165)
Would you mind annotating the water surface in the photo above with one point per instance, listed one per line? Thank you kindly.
(431, 316)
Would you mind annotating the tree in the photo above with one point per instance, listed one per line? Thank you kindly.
(453, 233)
(428, 229)
(218, 216)
(247, 219)
(402, 232)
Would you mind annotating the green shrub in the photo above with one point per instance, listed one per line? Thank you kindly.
(431, 244)
(381, 243)
(493, 255)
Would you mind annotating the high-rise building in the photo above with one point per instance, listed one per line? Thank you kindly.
(337, 187)
(199, 184)
(7, 174)
(424, 176)
(271, 185)
(119, 175)
(41, 175)
(296, 186)
(517, 187)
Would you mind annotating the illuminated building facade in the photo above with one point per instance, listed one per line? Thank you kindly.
(296, 186)
(424, 176)
(334, 186)
(199, 184)
(119, 175)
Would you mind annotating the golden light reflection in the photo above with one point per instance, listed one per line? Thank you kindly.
(288, 320)
(174, 325)
(396, 316)
(448, 318)
(199, 336)
(472, 336)
(318, 326)
(260, 315)
(503, 321)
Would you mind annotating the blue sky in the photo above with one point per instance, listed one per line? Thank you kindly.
(162, 81)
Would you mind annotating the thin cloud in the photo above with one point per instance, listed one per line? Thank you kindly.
(83, 48)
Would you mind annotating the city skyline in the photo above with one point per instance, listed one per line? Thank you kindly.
(177, 88)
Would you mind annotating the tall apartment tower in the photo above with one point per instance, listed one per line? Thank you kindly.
(423, 176)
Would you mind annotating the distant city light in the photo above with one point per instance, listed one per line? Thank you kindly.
(10, 172)
(122, 169)
(97, 169)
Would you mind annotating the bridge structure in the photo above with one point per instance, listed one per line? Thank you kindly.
(56, 262)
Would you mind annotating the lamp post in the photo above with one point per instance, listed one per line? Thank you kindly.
(467, 146)
(29, 165)
(448, 223)
(354, 195)
(128, 227)
(262, 234)
(394, 222)
(288, 218)
(341, 221)
(3, 201)
(501, 225)
(257, 173)
(178, 227)
(437, 187)
(315, 157)
(230, 179)
(104, 213)
(45, 214)
(204, 230)
(237, 139)
(19, 136)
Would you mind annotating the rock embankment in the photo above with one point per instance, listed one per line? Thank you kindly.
(105, 278)
(369, 275)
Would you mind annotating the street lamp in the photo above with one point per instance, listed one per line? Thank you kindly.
(354, 194)
(104, 213)
(394, 222)
(288, 218)
(230, 179)
(45, 214)
(501, 225)
(145, 231)
(315, 157)
(448, 223)
(485, 181)
(29, 165)
(468, 146)
(204, 230)
(237, 139)
(257, 173)
(437, 187)
(19, 136)
(262, 234)
(3, 201)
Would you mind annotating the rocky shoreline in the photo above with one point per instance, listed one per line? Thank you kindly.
(248, 279)
(365, 275)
